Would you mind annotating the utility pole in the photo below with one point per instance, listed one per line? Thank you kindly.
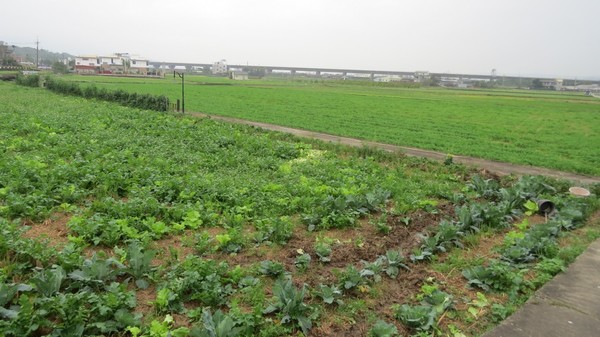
(37, 52)
(181, 75)
(520, 80)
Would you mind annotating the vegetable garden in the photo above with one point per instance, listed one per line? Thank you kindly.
(559, 130)
(125, 222)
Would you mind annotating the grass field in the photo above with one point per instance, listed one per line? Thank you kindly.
(548, 129)
(117, 221)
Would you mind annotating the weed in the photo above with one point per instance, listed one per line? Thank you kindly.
(381, 225)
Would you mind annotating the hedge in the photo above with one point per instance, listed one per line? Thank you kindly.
(28, 80)
(134, 100)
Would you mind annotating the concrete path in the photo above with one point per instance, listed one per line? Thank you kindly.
(569, 305)
(496, 167)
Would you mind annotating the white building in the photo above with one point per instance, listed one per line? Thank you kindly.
(120, 63)
(87, 64)
(388, 78)
(421, 76)
(219, 68)
(180, 69)
(138, 66)
(198, 69)
(238, 75)
(555, 84)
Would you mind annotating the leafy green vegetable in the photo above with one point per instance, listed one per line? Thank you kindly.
(323, 251)
(49, 281)
(383, 329)
(330, 294)
(271, 268)
(139, 263)
(216, 325)
(289, 302)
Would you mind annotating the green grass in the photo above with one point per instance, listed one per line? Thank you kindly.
(226, 198)
(126, 178)
(540, 128)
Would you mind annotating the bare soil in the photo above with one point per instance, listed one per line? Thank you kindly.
(53, 229)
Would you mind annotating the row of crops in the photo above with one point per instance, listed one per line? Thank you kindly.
(130, 99)
(555, 130)
(122, 181)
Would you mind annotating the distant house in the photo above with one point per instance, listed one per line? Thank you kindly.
(238, 75)
(120, 63)
(451, 81)
(587, 88)
(555, 84)
(198, 69)
(112, 64)
(219, 68)
(421, 76)
(180, 69)
(389, 78)
(138, 66)
(87, 64)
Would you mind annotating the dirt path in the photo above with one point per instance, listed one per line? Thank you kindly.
(496, 167)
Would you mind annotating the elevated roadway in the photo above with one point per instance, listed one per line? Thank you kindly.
(320, 71)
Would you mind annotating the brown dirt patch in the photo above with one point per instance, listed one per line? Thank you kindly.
(144, 298)
(180, 245)
(53, 229)
(352, 245)
(386, 293)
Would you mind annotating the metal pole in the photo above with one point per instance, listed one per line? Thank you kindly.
(182, 75)
(37, 52)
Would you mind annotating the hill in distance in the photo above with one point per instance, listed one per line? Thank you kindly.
(46, 57)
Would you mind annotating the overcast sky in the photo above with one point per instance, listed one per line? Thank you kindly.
(516, 37)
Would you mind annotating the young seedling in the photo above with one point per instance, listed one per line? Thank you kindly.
(323, 251)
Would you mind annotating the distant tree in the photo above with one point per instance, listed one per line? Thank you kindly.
(484, 84)
(8, 61)
(537, 84)
(433, 81)
(59, 68)
(6, 55)
(255, 72)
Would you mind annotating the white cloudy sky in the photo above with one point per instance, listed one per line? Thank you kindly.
(527, 37)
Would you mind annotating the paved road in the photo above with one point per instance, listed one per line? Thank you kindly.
(496, 167)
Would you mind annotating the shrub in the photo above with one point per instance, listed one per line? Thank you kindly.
(28, 80)
(133, 100)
